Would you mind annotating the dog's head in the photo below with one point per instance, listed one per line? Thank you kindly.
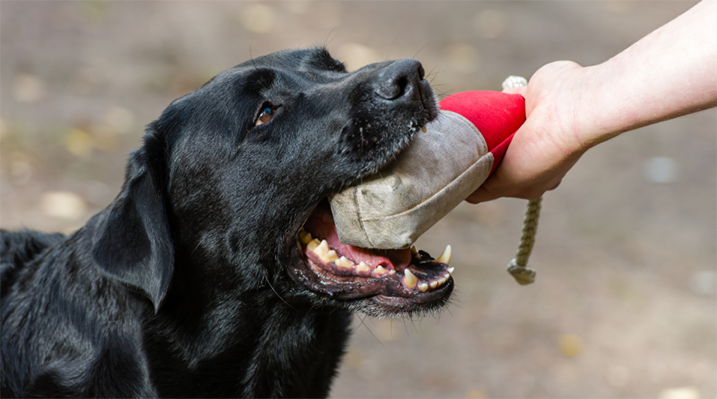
(233, 177)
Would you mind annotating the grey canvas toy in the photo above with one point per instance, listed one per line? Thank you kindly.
(456, 153)
(440, 168)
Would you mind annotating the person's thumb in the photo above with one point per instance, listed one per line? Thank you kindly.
(482, 194)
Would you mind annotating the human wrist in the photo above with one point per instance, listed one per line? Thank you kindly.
(565, 91)
(599, 109)
(666, 74)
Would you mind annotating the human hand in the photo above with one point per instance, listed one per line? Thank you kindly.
(666, 74)
(549, 143)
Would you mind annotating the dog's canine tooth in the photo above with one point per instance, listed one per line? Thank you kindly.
(409, 280)
(343, 262)
(414, 251)
(313, 244)
(304, 236)
(445, 256)
(362, 267)
(423, 129)
(423, 287)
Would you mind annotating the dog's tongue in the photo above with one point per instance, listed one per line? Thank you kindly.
(321, 225)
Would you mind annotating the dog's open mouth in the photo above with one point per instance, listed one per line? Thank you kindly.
(401, 279)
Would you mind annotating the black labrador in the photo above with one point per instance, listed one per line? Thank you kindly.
(216, 272)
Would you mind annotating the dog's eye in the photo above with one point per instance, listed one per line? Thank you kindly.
(267, 114)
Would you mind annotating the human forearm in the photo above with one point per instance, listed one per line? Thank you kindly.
(668, 73)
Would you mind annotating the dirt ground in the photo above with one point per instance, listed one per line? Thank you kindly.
(624, 305)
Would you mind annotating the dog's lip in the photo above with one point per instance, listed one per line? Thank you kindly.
(387, 291)
(414, 277)
(428, 100)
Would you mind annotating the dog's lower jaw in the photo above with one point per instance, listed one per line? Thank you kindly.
(390, 302)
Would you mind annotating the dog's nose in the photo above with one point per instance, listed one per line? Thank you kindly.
(399, 78)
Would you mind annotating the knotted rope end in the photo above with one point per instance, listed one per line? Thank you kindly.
(522, 274)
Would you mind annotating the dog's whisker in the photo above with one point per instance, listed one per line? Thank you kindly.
(419, 50)
(277, 294)
(390, 48)
(328, 38)
(359, 324)
(369, 330)
(413, 323)
(432, 74)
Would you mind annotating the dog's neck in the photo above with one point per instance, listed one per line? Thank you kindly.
(273, 348)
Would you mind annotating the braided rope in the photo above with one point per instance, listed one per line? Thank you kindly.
(518, 267)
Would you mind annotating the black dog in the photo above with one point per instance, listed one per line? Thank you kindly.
(203, 277)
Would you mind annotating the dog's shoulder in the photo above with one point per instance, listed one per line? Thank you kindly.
(18, 248)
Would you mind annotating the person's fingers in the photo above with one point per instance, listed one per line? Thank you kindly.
(554, 186)
(481, 195)
(531, 166)
(485, 193)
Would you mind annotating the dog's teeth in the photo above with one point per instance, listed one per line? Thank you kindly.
(442, 280)
(362, 267)
(380, 270)
(326, 254)
(313, 244)
(423, 129)
(330, 256)
(322, 249)
(445, 256)
(305, 236)
(451, 269)
(345, 263)
(392, 272)
(409, 280)
(414, 251)
(423, 287)
(434, 284)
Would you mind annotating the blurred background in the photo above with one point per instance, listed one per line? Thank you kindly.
(624, 304)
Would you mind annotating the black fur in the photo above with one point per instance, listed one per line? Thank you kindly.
(180, 287)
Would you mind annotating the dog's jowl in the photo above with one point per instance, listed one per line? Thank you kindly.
(217, 270)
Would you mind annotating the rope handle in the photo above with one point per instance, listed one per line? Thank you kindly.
(518, 267)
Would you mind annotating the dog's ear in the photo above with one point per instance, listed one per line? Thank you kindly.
(132, 242)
